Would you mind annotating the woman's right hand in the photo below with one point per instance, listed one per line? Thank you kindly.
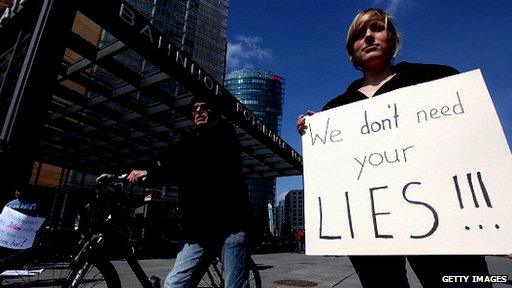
(301, 122)
(135, 175)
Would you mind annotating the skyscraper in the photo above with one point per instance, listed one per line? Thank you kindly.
(262, 92)
(199, 27)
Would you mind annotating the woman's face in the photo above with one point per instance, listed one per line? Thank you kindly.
(371, 47)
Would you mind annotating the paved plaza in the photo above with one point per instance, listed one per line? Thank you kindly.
(325, 271)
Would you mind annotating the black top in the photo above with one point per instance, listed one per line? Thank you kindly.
(213, 194)
(407, 74)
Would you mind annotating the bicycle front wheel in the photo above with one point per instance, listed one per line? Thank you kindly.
(94, 274)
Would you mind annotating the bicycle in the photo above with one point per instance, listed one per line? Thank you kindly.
(87, 263)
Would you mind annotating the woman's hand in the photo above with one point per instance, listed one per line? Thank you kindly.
(301, 122)
(135, 175)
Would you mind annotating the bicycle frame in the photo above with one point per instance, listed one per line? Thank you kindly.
(140, 274)
(93, 249)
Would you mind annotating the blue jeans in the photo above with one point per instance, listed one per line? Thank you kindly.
(193, 260)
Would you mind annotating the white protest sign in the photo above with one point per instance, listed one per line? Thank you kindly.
(17, 230)
(424, 169)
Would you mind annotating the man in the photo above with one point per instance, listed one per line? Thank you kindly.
(213, 197)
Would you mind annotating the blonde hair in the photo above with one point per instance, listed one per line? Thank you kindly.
(361, 20)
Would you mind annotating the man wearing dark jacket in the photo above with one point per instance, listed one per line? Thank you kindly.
(213, 197)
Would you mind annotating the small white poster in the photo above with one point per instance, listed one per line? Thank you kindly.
(17, 230)
(424, 169)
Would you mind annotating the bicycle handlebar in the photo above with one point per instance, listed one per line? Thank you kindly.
(118, 182)
(113, 179)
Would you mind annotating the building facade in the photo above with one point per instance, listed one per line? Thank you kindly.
(294, 203)
(291, 213)
(279, 219)
(262, 92)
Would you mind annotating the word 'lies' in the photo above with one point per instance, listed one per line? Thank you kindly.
(376, 214)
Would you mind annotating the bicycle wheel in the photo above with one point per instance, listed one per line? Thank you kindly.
(31, 268)
(254, 274)
(28, 269)
(213, 276)
(94, 274)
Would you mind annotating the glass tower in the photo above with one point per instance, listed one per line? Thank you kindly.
(199, 27)
(262, 92)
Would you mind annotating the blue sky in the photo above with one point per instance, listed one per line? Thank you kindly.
(303, 41)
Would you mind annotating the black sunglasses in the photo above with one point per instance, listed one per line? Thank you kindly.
(202, 106)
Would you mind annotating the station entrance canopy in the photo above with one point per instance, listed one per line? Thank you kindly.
(105, 112)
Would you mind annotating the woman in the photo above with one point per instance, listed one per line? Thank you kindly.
(372, 43)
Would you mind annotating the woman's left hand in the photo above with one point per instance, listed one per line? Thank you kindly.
(301, 122)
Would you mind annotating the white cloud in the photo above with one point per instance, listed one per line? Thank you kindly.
(392, 6)
(245, 50)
